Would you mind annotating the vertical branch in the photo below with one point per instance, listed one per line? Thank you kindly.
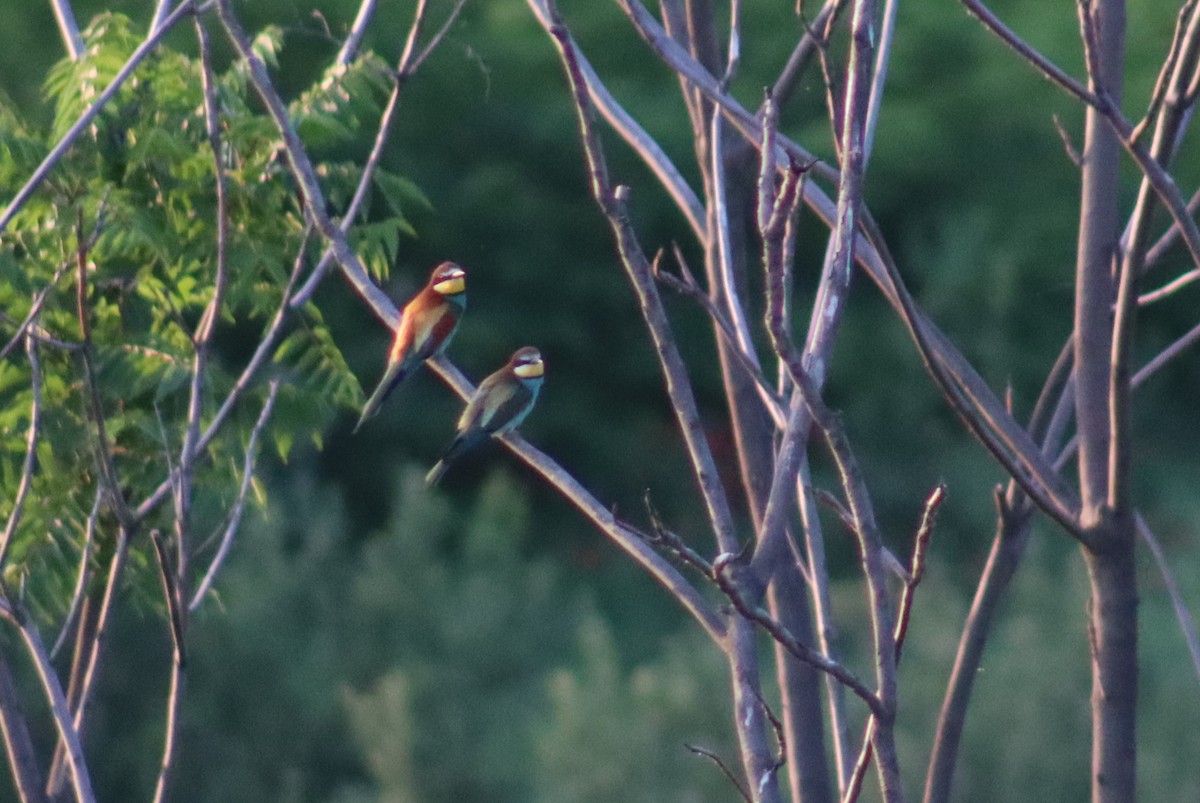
(757, 758)
(173, 595)
(1109, 555)
(916, 573)
(1094, 292)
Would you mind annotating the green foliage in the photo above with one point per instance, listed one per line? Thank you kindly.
(131, 212)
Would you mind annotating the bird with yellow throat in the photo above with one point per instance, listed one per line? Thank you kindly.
(499, 405)
(426, 326)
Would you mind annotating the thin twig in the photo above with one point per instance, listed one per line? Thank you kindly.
(714, 758)
(35, 309)
(1170, 288)
(170, 577)
(235, 516)
(799, 650)
(915, 573)
(1046, 67)
(644, 145)
(31, 442)
(1187, 625)
(83, 577)
(410, 60)
(14, 727)
(302, 169)
(1156, 252)
(686, 285)
(245, 380)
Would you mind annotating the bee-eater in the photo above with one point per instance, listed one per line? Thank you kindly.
(499, 405)
(426, 326)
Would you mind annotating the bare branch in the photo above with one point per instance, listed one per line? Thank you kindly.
(366, 10)
(710, 755)
(266, 345)
(235, 516)
(67, 731)
(1170, 288)
(645, 146)
(915, 573)
(1155, 253)
(687, 286)
(302, 170)
(1187, 625)
(612, 203)
(407, 66)
(171, 576)
(84, 574)
(39, 299)
(1026, 51)
(64, 15)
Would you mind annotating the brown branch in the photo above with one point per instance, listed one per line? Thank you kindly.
(1187, 625)
(799, 650)
(1042, 64)
(915, 573)
(246, 379)
(645, 146)
(714, 758)
(685, 284)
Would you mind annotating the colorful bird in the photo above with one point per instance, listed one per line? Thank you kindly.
(498, 406)
(426, 326)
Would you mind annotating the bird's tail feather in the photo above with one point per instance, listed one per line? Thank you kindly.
(460, 446)
(435, 473)
(382, 391)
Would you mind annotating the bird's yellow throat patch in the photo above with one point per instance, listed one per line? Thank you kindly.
(530, 370)
(449, 287)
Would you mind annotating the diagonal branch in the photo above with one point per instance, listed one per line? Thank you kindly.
(64, 144)
(68, 732)
(235, 516)
(624, 537)
(410, 60)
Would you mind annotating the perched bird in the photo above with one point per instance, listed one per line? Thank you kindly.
(426, 325)
(498, 406)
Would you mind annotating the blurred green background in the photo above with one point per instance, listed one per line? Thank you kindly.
(375, 641)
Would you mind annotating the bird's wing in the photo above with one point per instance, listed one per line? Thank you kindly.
(498, 405)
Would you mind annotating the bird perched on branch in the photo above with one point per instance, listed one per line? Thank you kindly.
(498, 406)
(426, 325)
